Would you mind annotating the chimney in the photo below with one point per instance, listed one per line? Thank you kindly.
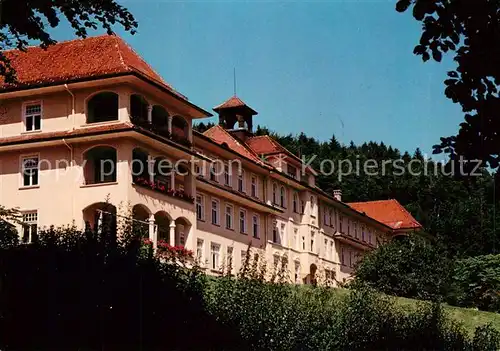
(337, 194)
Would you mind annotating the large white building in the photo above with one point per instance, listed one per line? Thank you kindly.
(89, 120)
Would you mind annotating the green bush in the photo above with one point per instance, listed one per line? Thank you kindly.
(410, 268)
(79, 290)
(278, 316)
(476, 283)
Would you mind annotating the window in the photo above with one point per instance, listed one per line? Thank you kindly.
(101, 165)
(200, 207)
(198, 171)
(243, 215)
(326, 248)
(33, 117)
(275, 190)
(295, 202)
(363, 233)
(254, 186)
(325, 216)
(30, 170)
(302, 206)
(295, 243)
(297, 272)
(215, 212)
(229, 258)
(283, 238)
(342, 256)
(213, 176)
(255, 223)
(241, 182)
(227, 175)
(341, 221)
(332, 213)
(229, 217)
(275, 232)
(348, 227)
(199, 250)
(370, 237)
(243, 257)
(276, 261)
(282, 197)
(292, 171)
(30, 230)
(102, 107)
(331, 250)
(312, 241)
(312, 206)
(214, 252)
(303, 243)
(355, 226)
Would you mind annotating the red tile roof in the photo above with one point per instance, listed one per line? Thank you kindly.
(221, 136)
(78, 59)
(234, 102)
(389, 212)
(264, 144)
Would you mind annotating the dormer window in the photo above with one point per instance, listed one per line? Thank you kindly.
(33, 117)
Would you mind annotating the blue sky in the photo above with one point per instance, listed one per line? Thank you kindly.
(319, 67)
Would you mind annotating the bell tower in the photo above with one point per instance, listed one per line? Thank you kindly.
(236, 117)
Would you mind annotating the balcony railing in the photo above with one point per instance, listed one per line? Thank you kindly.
(161, 188)
(160, 130)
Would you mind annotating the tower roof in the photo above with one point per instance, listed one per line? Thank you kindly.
(234, 103)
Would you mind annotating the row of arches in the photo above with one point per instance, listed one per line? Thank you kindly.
(160, 171)
(104, 106)
(100, 166)
(155, 226)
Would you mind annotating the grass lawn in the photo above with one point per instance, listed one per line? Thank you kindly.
(469, 318)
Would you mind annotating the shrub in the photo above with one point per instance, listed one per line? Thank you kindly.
(476, 283)
(410, 268)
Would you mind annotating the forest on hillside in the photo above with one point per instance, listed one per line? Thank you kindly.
(458, 210)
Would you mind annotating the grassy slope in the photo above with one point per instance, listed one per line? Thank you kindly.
(469, 318)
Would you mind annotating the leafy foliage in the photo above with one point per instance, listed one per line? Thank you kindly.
(74, 290)
(476, 283)
(23, 20)
(459, 211)
(470, 29)
(409, 268)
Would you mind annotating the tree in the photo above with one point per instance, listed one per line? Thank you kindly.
(409, 267)
(470, 29)
(23, 20)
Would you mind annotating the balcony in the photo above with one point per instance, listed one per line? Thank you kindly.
(349, 240)
(178, 135)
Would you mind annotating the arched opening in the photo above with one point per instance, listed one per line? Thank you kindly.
(100, 165)
(102, 107)
(163, 172)
(140, 164)
(159, 119)
(182, 230)
(162, 221)
(180, 128)
(312, 274)
(138, 109)
(101, 217)
(140, 224)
